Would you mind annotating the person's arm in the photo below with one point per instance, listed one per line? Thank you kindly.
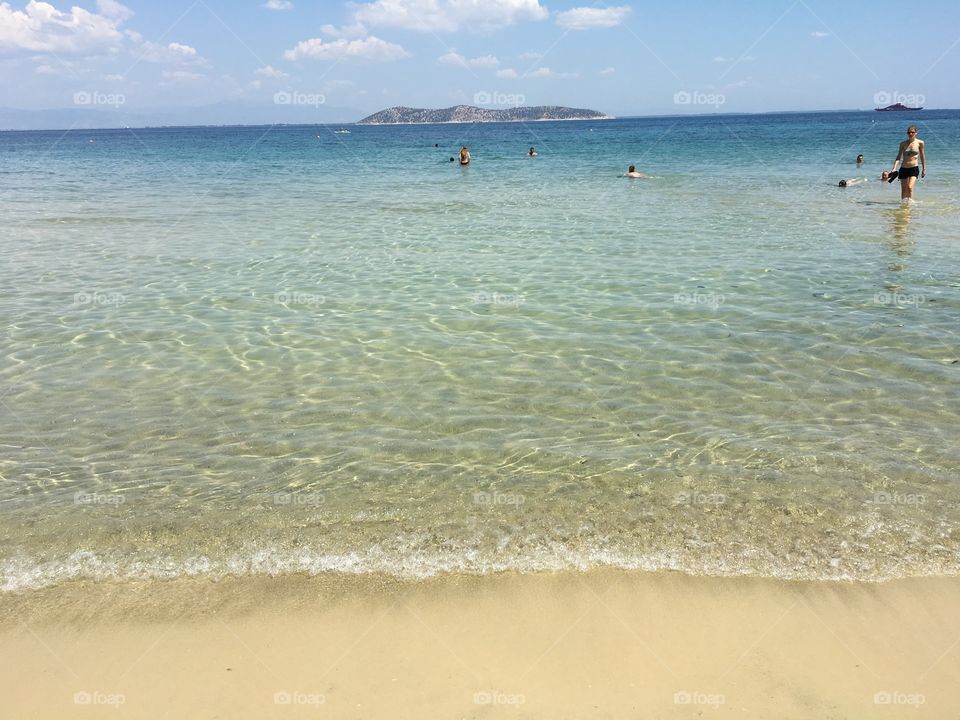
(923, 160)
(899, 154)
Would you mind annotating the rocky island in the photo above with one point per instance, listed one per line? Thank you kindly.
(470, 114)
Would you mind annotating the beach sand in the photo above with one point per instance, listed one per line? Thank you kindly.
(598, 644)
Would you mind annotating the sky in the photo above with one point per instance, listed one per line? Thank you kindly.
(265, 59)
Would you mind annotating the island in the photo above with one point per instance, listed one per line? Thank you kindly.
(470, 114)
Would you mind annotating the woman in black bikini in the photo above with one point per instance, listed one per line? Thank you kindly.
(913, 157)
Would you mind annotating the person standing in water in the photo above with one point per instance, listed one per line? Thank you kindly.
(464, 156)
(913, 163)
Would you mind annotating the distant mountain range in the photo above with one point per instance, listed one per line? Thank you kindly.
(470, 114)
(222, 113)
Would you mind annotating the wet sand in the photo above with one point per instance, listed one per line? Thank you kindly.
(600, 644)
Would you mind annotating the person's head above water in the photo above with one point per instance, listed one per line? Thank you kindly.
(632, 168)
(859, 158)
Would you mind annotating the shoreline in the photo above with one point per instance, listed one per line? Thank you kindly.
(601, 643)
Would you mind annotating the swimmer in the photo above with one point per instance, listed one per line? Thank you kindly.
(911, 155)
(532, 152)
(852, 181)
(889, 176)
(464, 156)
(632, 172)
(859, 160)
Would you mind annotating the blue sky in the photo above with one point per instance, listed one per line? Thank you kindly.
(353, 58)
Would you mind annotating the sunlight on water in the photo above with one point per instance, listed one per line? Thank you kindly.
(271, 350)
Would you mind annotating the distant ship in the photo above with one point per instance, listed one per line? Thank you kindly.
(341, 132)
(896, 107)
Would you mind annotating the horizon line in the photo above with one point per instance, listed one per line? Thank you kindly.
(356, 122)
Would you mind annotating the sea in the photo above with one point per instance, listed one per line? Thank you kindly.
(249, 351)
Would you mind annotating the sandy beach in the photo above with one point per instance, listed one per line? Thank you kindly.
(600, 644)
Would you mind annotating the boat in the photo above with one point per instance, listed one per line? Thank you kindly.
(897, 107)
(341, 131)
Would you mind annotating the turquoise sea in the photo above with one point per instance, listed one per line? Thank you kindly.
(290, 349)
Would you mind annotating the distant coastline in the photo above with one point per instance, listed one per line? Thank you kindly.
(137, 123)
(469, 114)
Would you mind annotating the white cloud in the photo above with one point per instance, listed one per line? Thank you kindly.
(278, 5)
(371, 48)
(458, 60)
(508, 73)
(819, 34)
(114, 78)
(44, 70)
(114, 10)
(608, 71)
(587, 17)
(170, 53)
(531, 56)
(41, 27)
(357, 30)
(184, 51)
(272, 72)
(545, 72)
(449, 15)
(454, 59)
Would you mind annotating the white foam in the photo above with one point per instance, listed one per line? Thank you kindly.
(24, 573)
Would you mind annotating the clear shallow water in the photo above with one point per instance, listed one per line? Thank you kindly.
(252, 350)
